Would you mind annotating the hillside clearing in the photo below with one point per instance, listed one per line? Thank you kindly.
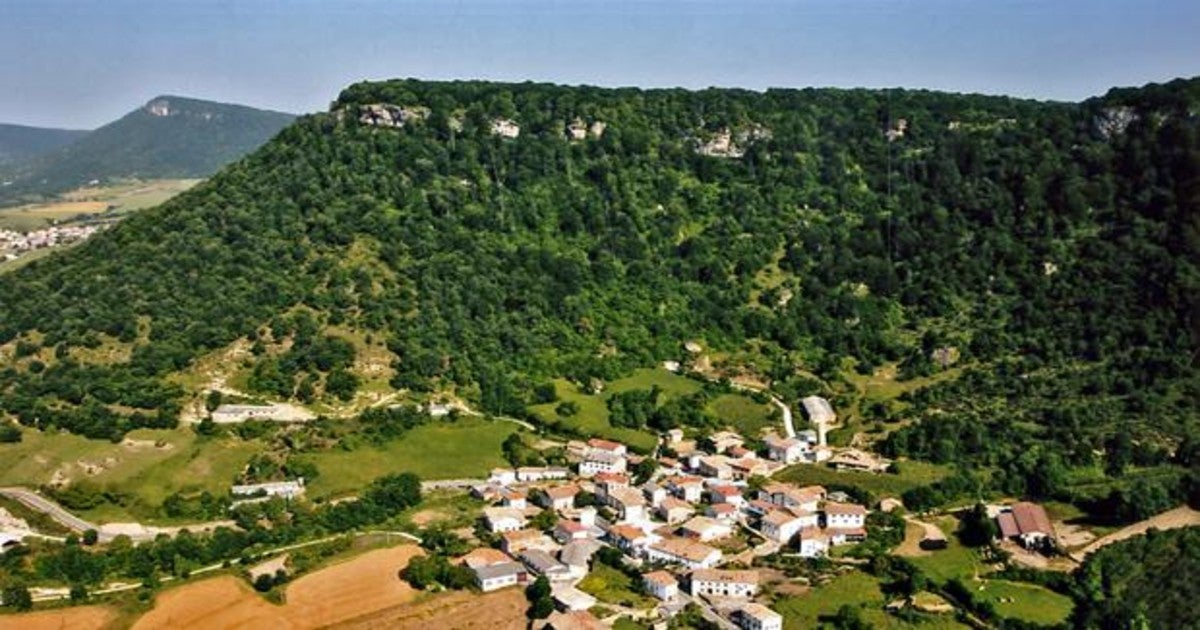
(467, 448)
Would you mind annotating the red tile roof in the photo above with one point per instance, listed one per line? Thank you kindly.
(1031, 518)
(1008, 525)
(604, 445)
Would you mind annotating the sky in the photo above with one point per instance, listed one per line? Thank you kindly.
(83, 63)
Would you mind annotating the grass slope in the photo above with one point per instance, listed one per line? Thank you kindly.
(467, 448)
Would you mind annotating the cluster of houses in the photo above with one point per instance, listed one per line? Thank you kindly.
(13, 244)
(676, 526)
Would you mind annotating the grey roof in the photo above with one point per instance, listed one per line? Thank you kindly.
(542, 562)
(499, 570)
(577, 553)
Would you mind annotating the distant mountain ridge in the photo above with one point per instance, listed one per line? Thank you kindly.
(20, 142)
(168, 137)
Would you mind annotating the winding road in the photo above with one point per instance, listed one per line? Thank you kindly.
(37, 502)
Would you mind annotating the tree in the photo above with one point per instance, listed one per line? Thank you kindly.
(16, 596)
(540, 602)
(544, 520)
(978, 529)
(90, 537)
(213, 400)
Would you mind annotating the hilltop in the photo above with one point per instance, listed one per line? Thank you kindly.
(484, 239)
(18, 142)
(168, 137)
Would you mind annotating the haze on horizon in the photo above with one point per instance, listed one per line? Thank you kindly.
(83, 63)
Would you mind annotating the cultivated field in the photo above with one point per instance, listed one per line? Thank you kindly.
(343, 592)
(76, 618)
(121, 198)
(501, 610)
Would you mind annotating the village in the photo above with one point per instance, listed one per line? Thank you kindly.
(14, 244)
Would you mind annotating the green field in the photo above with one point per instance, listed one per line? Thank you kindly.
(738, 410)
(955, 561)
(145, 472)
(855, 589)
(610, 586)
(1026, 602)
(468, 448)
(912, 474)
(744, 414)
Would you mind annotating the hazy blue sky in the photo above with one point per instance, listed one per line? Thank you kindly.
(83, 63)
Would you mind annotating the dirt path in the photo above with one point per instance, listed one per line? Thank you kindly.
(1182, 516)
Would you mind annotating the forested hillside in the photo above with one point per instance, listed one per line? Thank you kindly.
(1145, 582)
(1053, 246)
(169, 137)
(18, 142)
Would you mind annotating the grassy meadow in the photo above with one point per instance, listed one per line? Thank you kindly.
(468, 448)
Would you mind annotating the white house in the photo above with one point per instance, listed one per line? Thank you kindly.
(654, 493)
(724, 493)
(503, 476)
(566, 531)
(661, 584)
(513, 499)
(722, 583)
(786, 450)
(845, 515)
(690, 489)
(721, 511)
(758, 617)
(807, 498)
(629, 503)
(705, 529)
(689, 553)
(559, 497)
(597, 461)
(541, 473)
(497, 576)
(502, 519)
(630, 539)
(715, 466)
(674, 510)
(813, 542)
(782, 526)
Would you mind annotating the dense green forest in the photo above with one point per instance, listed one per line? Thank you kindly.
(169, 137)
(18, 142)
(1145, 582)
(1054, 246)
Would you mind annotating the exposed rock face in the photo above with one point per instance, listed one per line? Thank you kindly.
(578, 130)
(160, 107)
(505, 128)
(729, 143)
(387, 115)
(1113, 121)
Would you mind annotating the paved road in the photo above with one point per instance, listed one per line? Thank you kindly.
(34, 501)
(787, 416)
